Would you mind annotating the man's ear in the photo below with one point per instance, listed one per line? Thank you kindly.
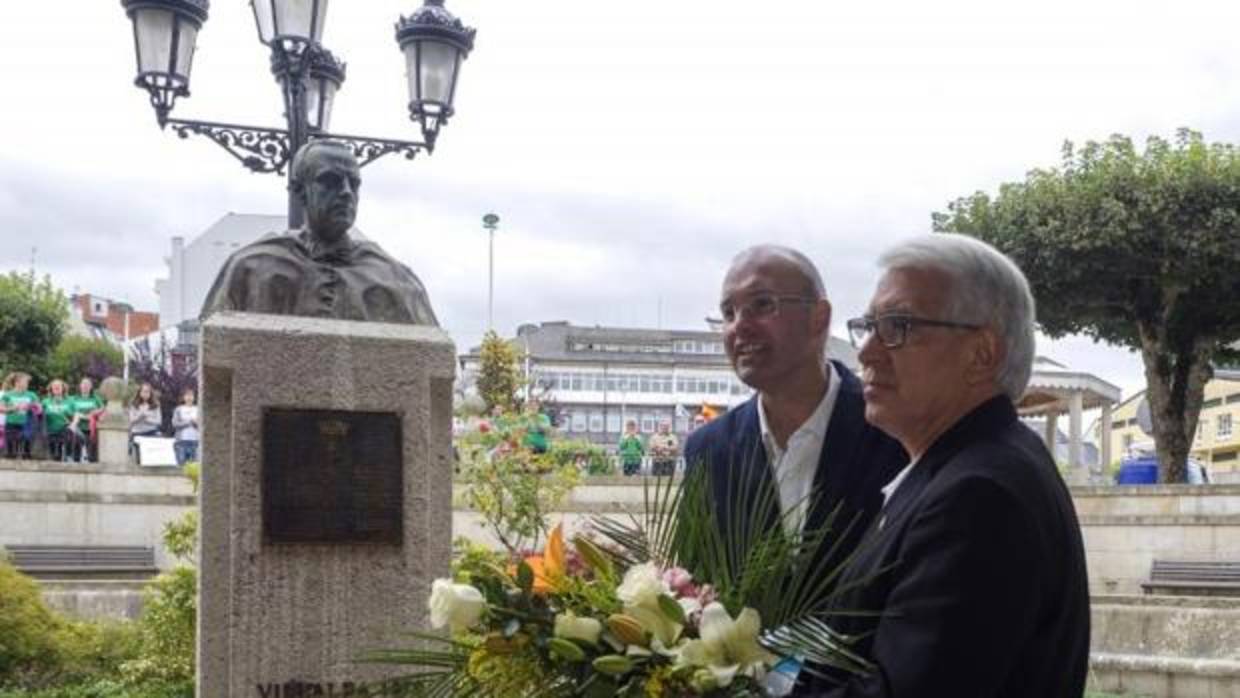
(987, 352)
(822, 315)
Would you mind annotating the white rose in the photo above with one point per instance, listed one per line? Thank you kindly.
(458, 606)
(642, 585)
(571, 627)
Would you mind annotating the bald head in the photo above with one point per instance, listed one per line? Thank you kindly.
(779, 256)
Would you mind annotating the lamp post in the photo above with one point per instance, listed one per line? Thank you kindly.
(491, 222)
(433, 41)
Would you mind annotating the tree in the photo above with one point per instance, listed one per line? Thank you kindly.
(499, 376)
(1138, 249)
(77, 357)
(32, 321)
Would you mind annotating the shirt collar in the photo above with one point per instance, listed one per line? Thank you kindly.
(817, 422)
(890, 488)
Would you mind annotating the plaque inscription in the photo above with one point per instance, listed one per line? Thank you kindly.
(331, 476)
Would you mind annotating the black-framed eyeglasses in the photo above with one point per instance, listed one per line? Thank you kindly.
(893, 328)
(760, 305)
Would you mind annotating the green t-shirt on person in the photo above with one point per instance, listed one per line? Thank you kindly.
(536, 428)
(57, 411)
(631, 449)
(13, 403)
(83, 405)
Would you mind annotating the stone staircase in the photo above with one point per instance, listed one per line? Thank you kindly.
(1181, 646)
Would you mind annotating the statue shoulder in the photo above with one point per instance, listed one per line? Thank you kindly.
(238, 284)
(271, 245)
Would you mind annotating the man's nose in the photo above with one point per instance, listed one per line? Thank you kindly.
(871, 349)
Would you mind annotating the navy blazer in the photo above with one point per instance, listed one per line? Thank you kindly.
(856, 461)
(985, 591)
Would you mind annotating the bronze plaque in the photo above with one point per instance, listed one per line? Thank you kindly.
(331, 476)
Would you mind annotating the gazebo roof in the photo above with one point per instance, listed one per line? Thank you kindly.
(1053, 383)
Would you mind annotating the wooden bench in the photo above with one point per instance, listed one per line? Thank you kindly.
(1194, 578)
(68, 562)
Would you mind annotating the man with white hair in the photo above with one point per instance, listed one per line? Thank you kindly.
(976, 562)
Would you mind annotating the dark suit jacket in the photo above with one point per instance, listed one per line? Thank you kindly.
(856, 461)
(987, 592)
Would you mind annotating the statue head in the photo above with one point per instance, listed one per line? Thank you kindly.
(326, 179)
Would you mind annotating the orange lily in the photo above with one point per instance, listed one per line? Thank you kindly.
(549, 567)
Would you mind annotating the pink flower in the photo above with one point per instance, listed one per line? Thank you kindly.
(679, 579)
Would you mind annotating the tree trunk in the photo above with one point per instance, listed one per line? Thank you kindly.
(1175, 380)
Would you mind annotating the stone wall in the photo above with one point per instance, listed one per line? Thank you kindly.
(47, 503)
(1126, 528)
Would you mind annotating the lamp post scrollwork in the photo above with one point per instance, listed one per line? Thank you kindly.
(433, 41)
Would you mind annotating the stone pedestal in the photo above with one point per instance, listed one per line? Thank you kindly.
(112, 429)
(325, 500)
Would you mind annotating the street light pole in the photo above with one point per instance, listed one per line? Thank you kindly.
(433, 41)
(491, 222)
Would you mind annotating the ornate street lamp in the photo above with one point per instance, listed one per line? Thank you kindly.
(164, 34)
(291, 24)
(433, 40)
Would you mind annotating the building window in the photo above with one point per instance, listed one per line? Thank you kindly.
(1214, 402)
(1233, 398)
(576, 382)
(596, 422)
(613, 422)
(648, 422)
(1224, 426)
(1229, 455)
(579, 421)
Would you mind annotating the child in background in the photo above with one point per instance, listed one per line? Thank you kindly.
(185, 422)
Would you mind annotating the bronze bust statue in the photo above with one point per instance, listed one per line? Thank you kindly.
(320, 271)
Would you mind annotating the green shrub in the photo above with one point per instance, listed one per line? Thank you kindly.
(580, 452)
(28, 629)
(166, 630)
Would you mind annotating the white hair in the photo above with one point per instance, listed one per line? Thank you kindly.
(796, 259)
(987, 288)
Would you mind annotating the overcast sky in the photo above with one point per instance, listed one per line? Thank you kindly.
(630, 148)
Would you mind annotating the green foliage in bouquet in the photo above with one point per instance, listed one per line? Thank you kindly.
(665, 604)
(792, 582)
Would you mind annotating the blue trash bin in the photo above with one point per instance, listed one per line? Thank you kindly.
(1138, 471)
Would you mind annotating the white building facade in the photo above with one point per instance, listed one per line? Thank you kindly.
(193, 266)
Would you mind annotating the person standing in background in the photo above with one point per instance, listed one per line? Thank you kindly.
(57, 411)
(664, 449)
(18, 402)
(185, 422)
(631, 449)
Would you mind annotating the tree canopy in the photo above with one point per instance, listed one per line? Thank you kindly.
(499, 376)
(76, 358)
(32, 322)
(1135, 248)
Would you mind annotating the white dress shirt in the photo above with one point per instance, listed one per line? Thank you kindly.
(795, 466)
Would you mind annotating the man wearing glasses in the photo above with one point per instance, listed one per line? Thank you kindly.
(803, 436)
(980, 567)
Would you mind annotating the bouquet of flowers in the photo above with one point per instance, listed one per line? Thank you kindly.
(662, 605)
